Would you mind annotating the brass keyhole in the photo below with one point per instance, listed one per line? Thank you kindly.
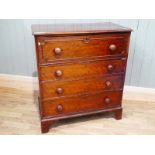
(86, 40)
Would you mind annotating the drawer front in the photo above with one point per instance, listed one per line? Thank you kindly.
(65, 88)
(83, 46)
(83, 103)
(76, 70)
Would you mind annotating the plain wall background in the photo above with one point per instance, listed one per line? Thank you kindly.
(17, 50)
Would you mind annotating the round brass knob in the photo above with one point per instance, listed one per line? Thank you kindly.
(110, 67)
(59, 90)
(59, 108)
(112, 47)
(57, 51)
(107, 100)
(108, 84)
(58, 73)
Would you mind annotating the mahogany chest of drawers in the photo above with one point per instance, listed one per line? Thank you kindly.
(81, 69)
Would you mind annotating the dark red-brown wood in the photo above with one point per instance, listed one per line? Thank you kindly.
(83, 102)
(54, 89)
(81, 69)
(78, 29)
(58, 48)
(78, 69)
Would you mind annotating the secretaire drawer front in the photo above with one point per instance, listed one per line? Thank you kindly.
(83, 46)
(81, 103)
(65, 88)
(76, 70)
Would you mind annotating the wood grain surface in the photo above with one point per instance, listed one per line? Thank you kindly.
(83, 68)
(81, 46)
(81, 86)
(83, 103)
(78, 28)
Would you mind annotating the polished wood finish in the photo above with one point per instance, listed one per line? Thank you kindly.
(78, 29)
(82, 71)
(79, 69)
(80, 104)
(59, 88)
(58, 48)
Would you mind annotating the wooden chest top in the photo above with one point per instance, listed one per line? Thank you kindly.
(78, 28)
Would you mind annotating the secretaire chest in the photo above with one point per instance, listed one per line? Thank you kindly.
(81, 69)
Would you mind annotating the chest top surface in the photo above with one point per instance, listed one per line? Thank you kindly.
(78, 28)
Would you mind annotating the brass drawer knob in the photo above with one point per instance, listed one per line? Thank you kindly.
(110, 67)
(107, 100)
(59, 108)
(58, 73)
(59, 90)
(108, 84)
(112, 47)
(57, 51)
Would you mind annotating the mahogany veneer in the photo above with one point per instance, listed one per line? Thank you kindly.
(81, 69)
